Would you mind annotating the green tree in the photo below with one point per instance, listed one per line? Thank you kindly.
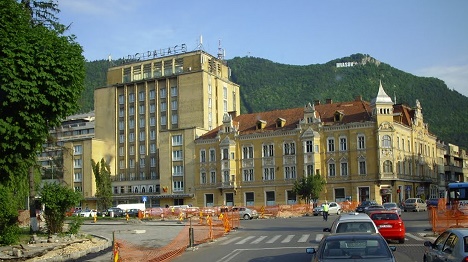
(309, 187)
(8, 217)
(41, 79)
(102, 176)
(57, 199)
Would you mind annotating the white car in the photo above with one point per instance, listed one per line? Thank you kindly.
(333, 208)
(88, 213)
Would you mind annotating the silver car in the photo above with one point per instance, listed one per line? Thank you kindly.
(246, 213)
(367, 247)
(449, 246)
(392, 206)
(333, 208)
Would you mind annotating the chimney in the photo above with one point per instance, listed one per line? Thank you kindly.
(316, 102)
(358, 98)
(329, 101)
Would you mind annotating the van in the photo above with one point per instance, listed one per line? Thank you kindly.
(352, 222)
(125, 207)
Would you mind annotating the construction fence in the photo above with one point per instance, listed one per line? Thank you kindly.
(445, 216)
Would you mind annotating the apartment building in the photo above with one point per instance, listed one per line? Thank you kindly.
(377, 150)
(150, 113)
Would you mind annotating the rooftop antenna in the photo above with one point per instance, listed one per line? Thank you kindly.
(221, 52)
(200, 44)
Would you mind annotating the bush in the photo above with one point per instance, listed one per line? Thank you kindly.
(75, 225)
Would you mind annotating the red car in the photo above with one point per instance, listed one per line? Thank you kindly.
(390, 225)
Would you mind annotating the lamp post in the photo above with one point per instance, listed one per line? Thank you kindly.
(52, 167)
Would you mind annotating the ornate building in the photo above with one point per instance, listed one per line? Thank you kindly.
(377, 150)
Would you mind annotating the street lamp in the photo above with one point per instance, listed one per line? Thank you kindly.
(52, 166)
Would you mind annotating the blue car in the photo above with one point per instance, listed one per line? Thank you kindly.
(432, 202)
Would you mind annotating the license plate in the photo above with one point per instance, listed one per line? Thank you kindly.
(385, 226)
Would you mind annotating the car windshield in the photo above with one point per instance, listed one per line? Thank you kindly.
(360, 226)
(355, 248)
(410, 200)
(385, 216)
(389, 205)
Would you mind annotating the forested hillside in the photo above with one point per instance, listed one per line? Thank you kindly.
(266, 85)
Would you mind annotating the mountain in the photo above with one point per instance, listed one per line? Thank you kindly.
(266, 85)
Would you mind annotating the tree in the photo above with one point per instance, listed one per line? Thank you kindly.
(309, 187)
(41, 79)
(8, 217)
(57, 200)
(102, 176)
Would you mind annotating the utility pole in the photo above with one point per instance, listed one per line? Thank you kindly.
(32, 203)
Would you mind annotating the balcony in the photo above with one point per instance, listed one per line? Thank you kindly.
(228, 184)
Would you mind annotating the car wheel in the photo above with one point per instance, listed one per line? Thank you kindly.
(315, 215)
(401, 241)
(246, 217)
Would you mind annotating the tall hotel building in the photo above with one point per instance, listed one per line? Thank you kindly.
(377, 150)
(149, 115)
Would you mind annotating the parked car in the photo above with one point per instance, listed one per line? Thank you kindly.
(363, 205)
(449, 246)
(352, 222)
(352, 247)
(246, 213)
(390, 225)
(88, 213)
(432, 202)
(333, 208)
(114, 211)
(374, 208)
(415, 204)
(393, 206)
(133, 212)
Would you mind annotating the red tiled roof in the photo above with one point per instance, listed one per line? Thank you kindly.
(353, 111)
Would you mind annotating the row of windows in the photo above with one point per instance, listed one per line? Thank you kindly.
(249, 198)
(142, 163)
(343, 143)
(137, 189)
(143, 176)
(152, 108)
(152, 95)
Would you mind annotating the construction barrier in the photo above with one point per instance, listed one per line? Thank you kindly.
(442, 218)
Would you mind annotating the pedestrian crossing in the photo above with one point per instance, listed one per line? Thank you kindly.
(300, 238)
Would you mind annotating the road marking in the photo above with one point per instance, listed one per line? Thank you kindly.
(304, 238)
(243, 241)
(414, 237)
(230, 240)
(318, 237)
(273, 239)
(287, 239)
(258, 240)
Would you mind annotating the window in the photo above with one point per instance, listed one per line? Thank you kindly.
(174, 91)
(178, 170)
(331, 144)
(153, 148)
(121, 112)
(131, 110)
(177, 155)
(289, 148)
(225, 154)
(247, 152)
(248, 175)
(77, 163)
(78, 150)
(77, 177)
(362, 166)
(131, 123)
(225, 92)
(386, 141)
(121, 164)
(174, 105)
(163, 120)
(174, 119)
(121, 99)
(152, 121)
(152, 108)
(331, 169)
(387, 166)
(141, 109)
(121, 138)
(343, 144)
(142, 136)
(268, 150)
(152, 94)
(153, 161)
(142, 122)
(213, 177)
(226, 176)
(290, 172)
(270, 198)
(310, 170)
(163, 92)
(177, 140)
(212, 155)
(361, 142)
(121, 125)
(131, 163)
(344, 169)
(249, 198)
(163, 106)
(142, 149)
(202, 156)
(178, 186)
(121, 151)
(309, 146)
(131, 97)
(269, 173)
(203, 178)
(153, 134)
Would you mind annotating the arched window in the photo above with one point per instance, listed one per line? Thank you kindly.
(387, 166)
(386, 141)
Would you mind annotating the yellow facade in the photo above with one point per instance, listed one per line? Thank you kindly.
(365, 151)
(152, 111)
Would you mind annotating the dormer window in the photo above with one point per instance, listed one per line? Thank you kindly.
(261, 124)
(280, 122)
(338, 116)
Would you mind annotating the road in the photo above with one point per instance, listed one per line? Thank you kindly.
(284, 239)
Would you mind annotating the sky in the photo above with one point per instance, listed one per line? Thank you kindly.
(422, 37)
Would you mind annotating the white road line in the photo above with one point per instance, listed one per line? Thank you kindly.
(230, 240)
(287, 239)
(304, 238)
(318, 237)
(258, 240)
(243, 241)
(273, 239)
(414, 237)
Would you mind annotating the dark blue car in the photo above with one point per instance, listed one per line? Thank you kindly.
(432, 202)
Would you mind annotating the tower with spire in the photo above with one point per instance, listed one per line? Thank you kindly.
(382, 107)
